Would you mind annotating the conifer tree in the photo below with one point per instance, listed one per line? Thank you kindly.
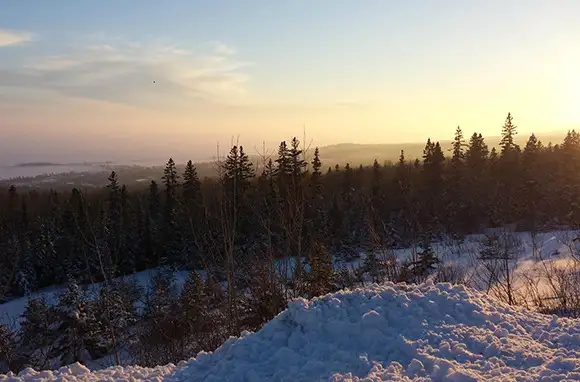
(530, 188)
(113, 225)
(457, 186)
(508, 133)
(170, 233)
(297, 163)
(376, 182)
(37, 331)
(509, 204)
(476, 154)
(192, 213)
(78, 337)
(315, 212)
(458, 153)
(191, 183)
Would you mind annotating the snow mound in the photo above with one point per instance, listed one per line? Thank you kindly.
(388, 332)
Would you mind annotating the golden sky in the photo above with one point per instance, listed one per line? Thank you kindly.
(180, 79)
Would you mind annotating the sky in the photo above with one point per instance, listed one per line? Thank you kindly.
(134, 79)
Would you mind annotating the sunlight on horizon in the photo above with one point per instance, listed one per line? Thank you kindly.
(187, 77)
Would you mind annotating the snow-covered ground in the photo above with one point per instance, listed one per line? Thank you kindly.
(11, 311)
(431, 332)
(537, 254)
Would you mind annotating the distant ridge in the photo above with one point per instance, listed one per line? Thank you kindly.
(46, 164)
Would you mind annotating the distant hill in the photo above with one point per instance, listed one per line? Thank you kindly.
(95, 175)
(357, 154)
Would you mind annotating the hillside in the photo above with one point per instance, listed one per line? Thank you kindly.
(383, 332)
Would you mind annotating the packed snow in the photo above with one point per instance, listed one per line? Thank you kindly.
(388, 332)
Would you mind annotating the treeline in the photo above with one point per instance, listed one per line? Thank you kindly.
(260, 240)
(289, 209)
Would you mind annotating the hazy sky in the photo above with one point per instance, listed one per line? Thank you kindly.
(76, 77)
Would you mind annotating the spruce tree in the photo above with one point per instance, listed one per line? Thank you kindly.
(77, 330)
(171, 235)
(113, 225)
(510, 207)
(315, 209)
(376, 182)
(458, 148)
(316, 162)
(508, 133)
(196, 313)
(191, 213)
(37, 331)
(425, 263)
(191, 183)
(457, 185)
(476, 154)
(297, 164)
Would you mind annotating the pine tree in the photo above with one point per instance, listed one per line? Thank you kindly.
(196, 313)
(191, 183)
(283, 164)
(316, 162)
(425, 264)
(376, 182)
(476, 154)
(45, 250)
(114, 225)
(401, 159)
(432, 172)
(116, 314)
(571, 141)
(162, 330)
(297, 164)
(151, 229)
(171, 235)
(78, 337)
(171, 182)
(508, 133)
(510, 207)
(315, 214)
(238, 172)
(456, 190)
(458, 146)
(192, 213)
(37, 331)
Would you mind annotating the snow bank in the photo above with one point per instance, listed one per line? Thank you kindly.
(383, 332)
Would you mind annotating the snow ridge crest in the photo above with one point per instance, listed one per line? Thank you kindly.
(386, 332)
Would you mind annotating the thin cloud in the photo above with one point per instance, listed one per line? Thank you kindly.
(222, 49)
(12, 38)
(136, 74)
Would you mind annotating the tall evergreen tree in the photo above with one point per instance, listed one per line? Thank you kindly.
(191, 183)
(508, 133)
(192, 213)
(171, 234)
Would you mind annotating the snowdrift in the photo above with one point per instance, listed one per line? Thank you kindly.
(381, 333)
